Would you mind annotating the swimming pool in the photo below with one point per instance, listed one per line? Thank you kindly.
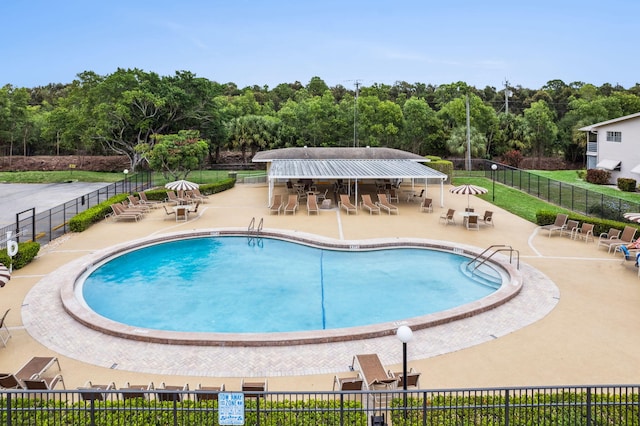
(310, 296)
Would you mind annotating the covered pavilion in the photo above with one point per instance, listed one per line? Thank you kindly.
(351, 164)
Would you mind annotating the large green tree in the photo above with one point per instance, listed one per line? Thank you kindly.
(175, 155)
(540, 130)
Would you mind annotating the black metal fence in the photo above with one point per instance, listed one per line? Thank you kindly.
(570, 197)
(45, 226)
(571, 405)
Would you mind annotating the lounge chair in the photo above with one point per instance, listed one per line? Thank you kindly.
(151, 203)
(312, 204)
(345, 203)
(44, 383)
(119, 212)
(610, 234)
(253, 389)
(93, 392)
(627, 236)
(472, 222)
(375, 378)
(384, 204)
(135, 202)
(10, 381)
(487, 218)
(5, 334)
(585, 231)
(353, 383)
(557, 226)
(292, 204)
(130, 391)
(276, 204)
(368, 204)
(171, 392)
(208, 393)
(172, 198)
(373, 373)
(196, 194)
(448, 217)
(36, 367)
(572, 225)
(426, 205)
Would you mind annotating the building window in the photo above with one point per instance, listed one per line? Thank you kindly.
(614, 136)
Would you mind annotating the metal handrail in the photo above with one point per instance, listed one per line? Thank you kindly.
(496, 249)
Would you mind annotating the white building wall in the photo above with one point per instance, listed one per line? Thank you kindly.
(627, 151)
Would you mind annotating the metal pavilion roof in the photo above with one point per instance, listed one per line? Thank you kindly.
(352, 169)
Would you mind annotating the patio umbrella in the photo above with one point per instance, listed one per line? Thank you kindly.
(5, 275)
(469, 190)
(182, 185)
(633, 217)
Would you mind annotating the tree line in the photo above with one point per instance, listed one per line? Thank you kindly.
(130, 108)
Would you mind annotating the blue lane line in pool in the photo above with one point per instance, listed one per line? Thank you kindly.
(324, 319)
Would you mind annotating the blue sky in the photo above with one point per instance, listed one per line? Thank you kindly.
(248, 42)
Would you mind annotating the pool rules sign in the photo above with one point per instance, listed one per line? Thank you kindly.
(230, 408)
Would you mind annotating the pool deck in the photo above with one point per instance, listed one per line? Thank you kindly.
(576, 321)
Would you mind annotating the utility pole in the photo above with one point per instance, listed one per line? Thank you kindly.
(507, 93)
(355, 115)
(468, 134)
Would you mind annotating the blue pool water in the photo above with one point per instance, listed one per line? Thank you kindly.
(226, 285)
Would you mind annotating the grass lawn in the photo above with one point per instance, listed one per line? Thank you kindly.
(571, 177)
(59, 177)
(198, 176)
(514, 201)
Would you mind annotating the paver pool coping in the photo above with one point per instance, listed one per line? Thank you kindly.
(46, 321)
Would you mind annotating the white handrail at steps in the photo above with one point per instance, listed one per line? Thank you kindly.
(495, 248)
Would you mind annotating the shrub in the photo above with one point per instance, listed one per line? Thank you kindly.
(598, 177)
(582, 174)
(512, 158)
(26, 253)
(84, 220)
(627, 184)
(443, 166)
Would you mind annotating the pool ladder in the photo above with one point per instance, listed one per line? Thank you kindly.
(253, 233)
(480, 259)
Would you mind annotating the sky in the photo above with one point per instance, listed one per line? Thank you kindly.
(266, 43)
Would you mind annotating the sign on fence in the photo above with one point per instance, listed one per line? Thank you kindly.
(231, 408)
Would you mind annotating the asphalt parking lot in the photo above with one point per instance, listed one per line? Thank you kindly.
(18, 197)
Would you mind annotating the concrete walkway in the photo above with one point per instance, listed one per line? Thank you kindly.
(575, 323)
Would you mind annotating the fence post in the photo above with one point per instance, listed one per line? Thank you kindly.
(8, 408)
(92, 412)
(588, 406)
(424, 408)
(506, 407)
